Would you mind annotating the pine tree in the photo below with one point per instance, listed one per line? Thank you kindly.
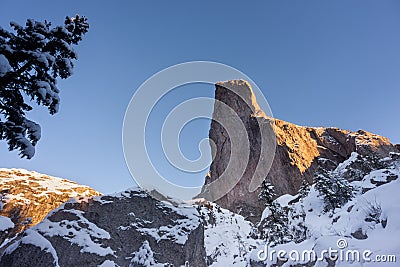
(304, 189)
(297, 222)
(335, 190)
(32, 57)
(298, 215)
(267, 193)
(274, 228)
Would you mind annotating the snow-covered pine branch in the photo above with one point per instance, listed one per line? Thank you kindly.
(32, 57)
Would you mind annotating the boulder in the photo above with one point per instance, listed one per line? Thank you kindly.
(117, 230)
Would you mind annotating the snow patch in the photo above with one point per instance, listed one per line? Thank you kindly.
(108, 263)
(4, 65)
(342, 166)
(81, 232)
(32, 237)
(177, 232)
(5, 223)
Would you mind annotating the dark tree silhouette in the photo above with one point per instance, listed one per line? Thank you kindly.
(32, 57)
(275, 227)
(335, 190)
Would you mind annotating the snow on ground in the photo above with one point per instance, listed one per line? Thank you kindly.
(368, 223)
(285, 199)
(227, 237)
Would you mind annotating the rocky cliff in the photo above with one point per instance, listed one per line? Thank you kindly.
(27, 197)
(299, 150)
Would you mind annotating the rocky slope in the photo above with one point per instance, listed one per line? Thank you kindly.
(126, 229)
(27, 197)
(299, 150)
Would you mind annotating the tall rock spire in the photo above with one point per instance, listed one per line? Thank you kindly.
(283, 153)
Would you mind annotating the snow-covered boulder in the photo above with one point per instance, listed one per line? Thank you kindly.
(112, 229)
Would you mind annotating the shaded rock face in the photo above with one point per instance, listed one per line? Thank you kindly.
(28, 196)
(256, 125)
(111, 229)
(300, 151)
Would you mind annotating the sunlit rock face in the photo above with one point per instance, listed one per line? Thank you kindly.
(28, 196)
(299, 150)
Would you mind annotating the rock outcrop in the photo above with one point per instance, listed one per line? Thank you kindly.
(126, 229)
(27, 197)
(300, 151)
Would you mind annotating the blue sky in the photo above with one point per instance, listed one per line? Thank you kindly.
(319, 63)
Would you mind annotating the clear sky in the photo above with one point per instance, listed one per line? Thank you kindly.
(319, 63)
